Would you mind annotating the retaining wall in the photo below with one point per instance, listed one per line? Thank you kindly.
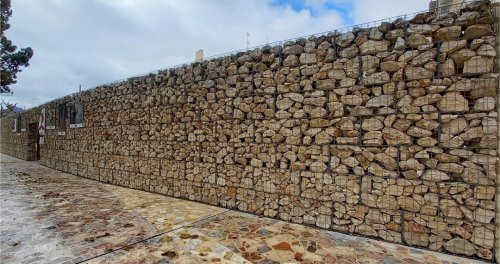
(386, 131)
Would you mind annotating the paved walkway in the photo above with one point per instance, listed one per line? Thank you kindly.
(51, 217)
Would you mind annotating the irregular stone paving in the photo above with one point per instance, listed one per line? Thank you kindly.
(52, 217)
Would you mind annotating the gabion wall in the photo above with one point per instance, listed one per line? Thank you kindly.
(387, 131)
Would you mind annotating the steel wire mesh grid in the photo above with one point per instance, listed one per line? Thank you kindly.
(387, 129)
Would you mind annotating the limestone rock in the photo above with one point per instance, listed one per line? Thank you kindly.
(484, 192)
(478, 64)
(415, 73)
(395, 34)
(392, 66)
(423, 58)
(477, 31)
(319, 122)
(486, 50)
(345, 40)
(483, 216)
(372, 124)
(296, 97)
(291, 61)
(351, 100)
(307, 58)
(318, 166)
(416, 238)
(408, 204)
(349, 52)
(416, 40)
(284, 103)
(294, 49)
(483, 237)
(323, 138)
(485, 104)
(434, 175)
(422, 28)
(400, 44)
(461, 56)
(366, 230)
(453, 102)
(374, 46)
(467, 18)
(454, 126)
(447, 34)
(427, 100)
(375, 34)
(453, 45)
(377, 78)
(395, 137)
(323, 221)
(460, 246)
(444, 20)
(447, 68)
(381, 100)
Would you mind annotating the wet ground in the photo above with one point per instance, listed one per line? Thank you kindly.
(51, 217)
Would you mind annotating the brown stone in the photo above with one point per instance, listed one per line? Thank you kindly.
(477, 31)
(478, 64)
(392, 66)
(460, 246)
(453, 102)
(282, 246)
(374, 46)
(447, 34)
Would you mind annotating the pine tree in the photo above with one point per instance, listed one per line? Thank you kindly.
(11, 61)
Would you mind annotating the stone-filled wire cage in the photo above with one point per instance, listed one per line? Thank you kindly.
(386, 130)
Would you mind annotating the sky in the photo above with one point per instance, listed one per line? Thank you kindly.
(92, 42)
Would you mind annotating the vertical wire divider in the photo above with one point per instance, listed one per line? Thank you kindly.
(329, 165)
(129, 110)
(160, 143)
(405, 30)
(398, 147)
(276, 161)
(496, 29)
(402, 212)
(440, 122)
(329, 144)
(361, 82)
(281, 47)
(360, 182)
(301, 189)
(401, 227)
(360, 70)
(405, 47)
(395, 103)
(360, 136)
(334, 45)
(275, 110)
(437, 74)
(148, 153)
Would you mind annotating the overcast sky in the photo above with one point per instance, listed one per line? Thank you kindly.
(91, 42)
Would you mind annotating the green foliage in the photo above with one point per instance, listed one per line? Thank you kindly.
(11, 61)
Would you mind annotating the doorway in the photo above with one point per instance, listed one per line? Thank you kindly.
(33, 142)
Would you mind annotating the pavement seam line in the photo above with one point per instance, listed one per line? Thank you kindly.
(154, 236)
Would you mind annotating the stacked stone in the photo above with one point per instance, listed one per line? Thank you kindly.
(387, 131)
(16, 143)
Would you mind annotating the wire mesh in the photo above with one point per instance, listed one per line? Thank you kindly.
(386, 129)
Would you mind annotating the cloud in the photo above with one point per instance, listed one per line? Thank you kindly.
(369, 10)
(91, 42)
